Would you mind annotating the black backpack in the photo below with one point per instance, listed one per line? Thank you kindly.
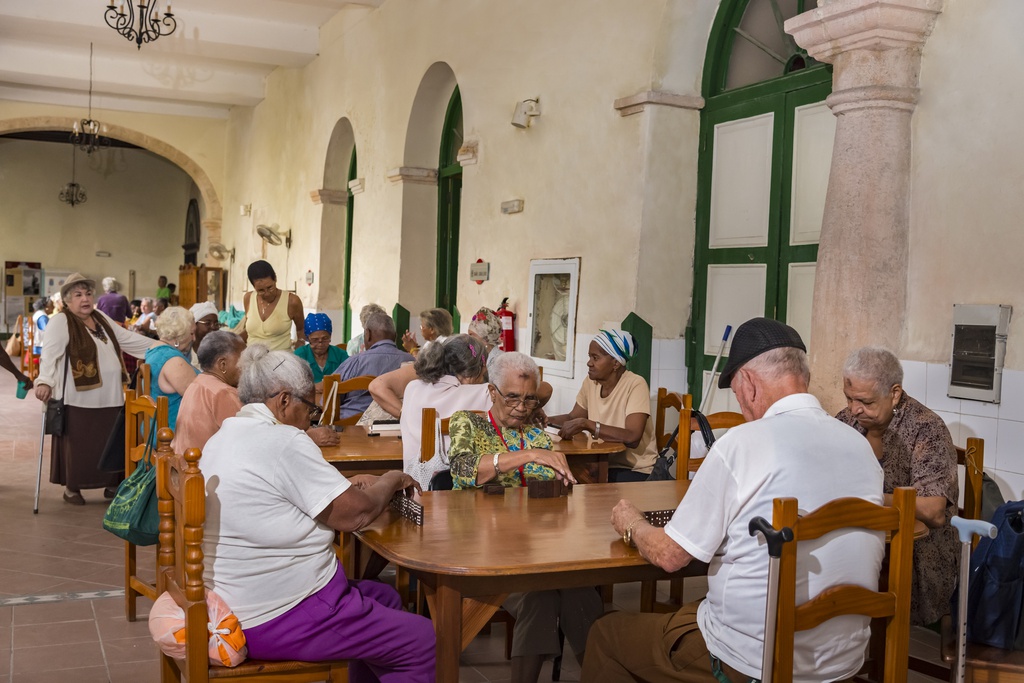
(660, 471)
(995, 594)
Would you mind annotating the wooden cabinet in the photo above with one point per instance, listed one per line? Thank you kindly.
(204, 283)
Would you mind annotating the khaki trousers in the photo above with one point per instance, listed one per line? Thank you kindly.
(650, 648)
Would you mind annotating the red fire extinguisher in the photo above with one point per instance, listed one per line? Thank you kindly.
(508, 326)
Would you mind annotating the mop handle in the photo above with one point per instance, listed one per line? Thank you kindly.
(966, 528)
(709, 391)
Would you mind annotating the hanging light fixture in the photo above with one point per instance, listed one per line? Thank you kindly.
(73, 193)
(86, 133)
(150, 26)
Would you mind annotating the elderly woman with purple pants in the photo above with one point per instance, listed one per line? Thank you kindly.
(273, 506)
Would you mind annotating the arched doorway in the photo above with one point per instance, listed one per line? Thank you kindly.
(765, 151)
(336, 226)
(192, 232)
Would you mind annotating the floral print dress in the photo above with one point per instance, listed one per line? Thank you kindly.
(474, 441)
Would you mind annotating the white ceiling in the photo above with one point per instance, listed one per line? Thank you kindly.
(218, 57)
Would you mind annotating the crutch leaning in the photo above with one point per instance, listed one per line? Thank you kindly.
(966, 528)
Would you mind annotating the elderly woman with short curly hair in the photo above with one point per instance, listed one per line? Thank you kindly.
(170, 370)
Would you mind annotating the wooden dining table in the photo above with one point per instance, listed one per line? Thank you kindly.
(474, 549)
(358, 452)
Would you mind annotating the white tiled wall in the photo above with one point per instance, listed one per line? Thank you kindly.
(1001, 425)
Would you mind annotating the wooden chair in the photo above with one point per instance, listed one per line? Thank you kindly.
(144, 380)
(361, 383)
(892, 603)
(181, 492)
(138, 416)
(668, 400)
(29, 358)
(685, 465)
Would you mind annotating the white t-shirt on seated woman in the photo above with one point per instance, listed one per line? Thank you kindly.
(265, 484)
(446, 396)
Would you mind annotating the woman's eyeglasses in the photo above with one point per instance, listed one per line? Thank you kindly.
(215, 325)
(511, 401)
(315, 411)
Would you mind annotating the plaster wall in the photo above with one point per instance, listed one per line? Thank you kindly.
(135, 209)
(965, 236)
(580, 168)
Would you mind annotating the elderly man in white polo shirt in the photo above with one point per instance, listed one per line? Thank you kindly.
(788, 447)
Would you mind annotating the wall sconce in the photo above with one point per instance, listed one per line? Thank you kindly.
(525, 111)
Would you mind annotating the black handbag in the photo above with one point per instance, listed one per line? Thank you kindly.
(56, 417)
(660, 471)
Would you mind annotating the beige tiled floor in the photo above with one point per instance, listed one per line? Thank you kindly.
(83, 637)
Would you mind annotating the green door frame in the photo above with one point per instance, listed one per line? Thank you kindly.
(780, 96)
(449, 202)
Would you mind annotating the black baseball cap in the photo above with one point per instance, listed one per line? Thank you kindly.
(753, 338)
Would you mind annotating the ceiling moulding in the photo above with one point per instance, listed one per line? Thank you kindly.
(634, 104)
(411, 174)
(335, 197)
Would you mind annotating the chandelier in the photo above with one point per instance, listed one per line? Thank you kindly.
(72, 193)
(150, 26)
(86, 133)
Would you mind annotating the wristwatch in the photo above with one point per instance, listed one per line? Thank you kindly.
(497, 470)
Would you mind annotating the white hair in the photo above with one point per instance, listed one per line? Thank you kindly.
(111, 284)
(510, 365)
(780, 362)
(876, 364)
(175, 325)
(266, 372)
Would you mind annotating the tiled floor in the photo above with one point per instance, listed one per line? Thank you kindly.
(63, 556)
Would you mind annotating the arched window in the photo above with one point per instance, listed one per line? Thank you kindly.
(192, 230)
(449, 200)
(763, 164)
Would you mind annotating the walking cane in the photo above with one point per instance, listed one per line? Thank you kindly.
(709, 392)
(966, 528)
(775, 540)
(39, 471)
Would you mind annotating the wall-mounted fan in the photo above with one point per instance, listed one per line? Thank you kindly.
(271, 235)
(219, 252)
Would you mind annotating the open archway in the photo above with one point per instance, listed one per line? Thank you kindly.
(418, 273)
(210, 206)
(336, 229)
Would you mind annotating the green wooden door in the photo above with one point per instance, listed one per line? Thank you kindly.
(449, 202)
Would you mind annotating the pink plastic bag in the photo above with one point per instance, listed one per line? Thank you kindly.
(227, 642)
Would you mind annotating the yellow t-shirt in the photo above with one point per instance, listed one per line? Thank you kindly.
(631, 395)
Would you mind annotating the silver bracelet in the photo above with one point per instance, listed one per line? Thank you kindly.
(497, 470)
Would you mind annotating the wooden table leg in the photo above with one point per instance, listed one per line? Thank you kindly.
(448, 627)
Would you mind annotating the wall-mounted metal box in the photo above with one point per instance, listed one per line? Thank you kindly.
(979, 346)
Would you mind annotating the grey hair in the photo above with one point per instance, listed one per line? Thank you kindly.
(437, 319)
(780, 362)
(380, 323)
(151, 300)
(175, 324)
(266, 372)
(216, 345)
(511, 365)
(111, 284)
(369, 309)
(461, 356)
(875, 363)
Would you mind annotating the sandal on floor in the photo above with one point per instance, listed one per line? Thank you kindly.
(73, 497)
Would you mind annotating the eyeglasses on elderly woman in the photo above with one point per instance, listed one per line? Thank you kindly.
(513, 400)
(315, 411)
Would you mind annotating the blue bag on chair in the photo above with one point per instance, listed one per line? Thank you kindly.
(995, 596)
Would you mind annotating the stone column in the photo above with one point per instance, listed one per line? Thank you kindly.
(860, 291)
